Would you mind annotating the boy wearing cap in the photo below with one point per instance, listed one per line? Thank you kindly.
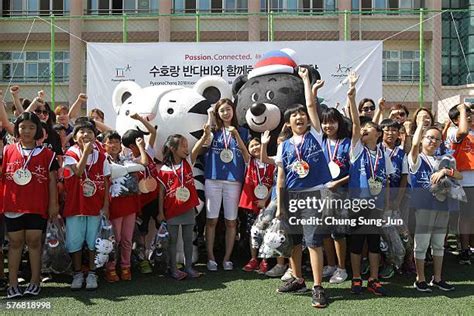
(86, 184)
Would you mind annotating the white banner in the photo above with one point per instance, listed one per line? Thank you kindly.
(151, 64)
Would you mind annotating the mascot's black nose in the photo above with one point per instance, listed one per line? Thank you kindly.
(257, 109)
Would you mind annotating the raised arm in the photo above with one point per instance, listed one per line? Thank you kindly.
(199, 144)
(415, 146)
(80, 166)
(102, 127)
(75, 109)
(265, 139)
(240, 142)
(351, 95)
(15, 92)
(6, 124)
(309, 97)
(463, 124)
(141, 147)
(151, 129)
(378, 115)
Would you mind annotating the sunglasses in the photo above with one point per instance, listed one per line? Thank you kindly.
(44, 112)
(401, 114)
(368, 108)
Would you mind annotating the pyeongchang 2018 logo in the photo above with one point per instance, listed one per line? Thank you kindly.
(341, 73)
(121, 73)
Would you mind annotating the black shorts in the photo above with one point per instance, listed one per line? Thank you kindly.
(149, 211)
(2, 229)
(26, 222)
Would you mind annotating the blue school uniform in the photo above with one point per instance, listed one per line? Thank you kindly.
(360, 172)
(422, 197)
(397, 157)
(215, 168)
(312, 154)
(341, 156)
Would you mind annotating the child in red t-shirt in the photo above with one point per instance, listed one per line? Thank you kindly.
(178, 198)
(29, 197)
(255, 195)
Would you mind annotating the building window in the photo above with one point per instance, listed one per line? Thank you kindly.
(370, 5)
(33, 67)
(107, 7)
(401, 65)
(298, 5)
(213, 6)
(35, 7)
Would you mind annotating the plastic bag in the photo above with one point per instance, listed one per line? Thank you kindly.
(104, 243)
(56, 259)
(392, 245)
(276, 241)
(159, 248)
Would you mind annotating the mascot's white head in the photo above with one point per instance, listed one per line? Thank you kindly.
(171, 109)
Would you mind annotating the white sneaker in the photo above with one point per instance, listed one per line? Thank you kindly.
(211, 265)
(339, 276)
(77, 281)
(277, 271)
(228, 265)
(91, 281)
(328, 271)
(287, 276)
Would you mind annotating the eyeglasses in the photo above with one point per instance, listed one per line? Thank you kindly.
(368, 108)
(433, 139)
(44, 112)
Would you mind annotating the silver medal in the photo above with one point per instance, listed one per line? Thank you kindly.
(183, 194)
(260, 191)
(226, 155)
(22, 176)
(88, 188)
(334, 169)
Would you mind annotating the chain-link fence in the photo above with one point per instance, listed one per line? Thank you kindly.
(428, 56)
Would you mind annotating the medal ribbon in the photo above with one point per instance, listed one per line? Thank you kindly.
(373, 168)
(298, 150)
(25, 163)
(181, 166)
(336, 147)
(226, 140)
(88, 169)
(258, 171)
(394, 151)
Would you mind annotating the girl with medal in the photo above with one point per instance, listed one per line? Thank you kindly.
(368, 173)
(27, 171)
(124, 201)
(432, 216)
(224, 171)
(255, 196)
(178, 198)
(336, 145)
(86, 172)
(303, 170)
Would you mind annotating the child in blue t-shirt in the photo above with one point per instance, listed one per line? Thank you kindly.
(224, 172)
(368, 182)
(302, 169)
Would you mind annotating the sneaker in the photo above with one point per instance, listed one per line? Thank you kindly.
(14, 292)
(144, 267)
(252, 265)
(32, 289)
(192, 274)
(356, 286)
(287, 276)
(328, 271)
(91, 281)
(293, 286)
(442, 285)
(422, 287)
(376, 288)
(364, 267)
(339, 276)
(77, 281)
(386, 272)
(276, 271)
(111, 276)
(125, 274)
(179, 275)
(263, 267)
(228, 265)
(46, 277)
(464, 257)
(211, 265)
(319, 298)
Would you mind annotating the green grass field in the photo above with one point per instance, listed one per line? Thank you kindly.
(238, 292)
